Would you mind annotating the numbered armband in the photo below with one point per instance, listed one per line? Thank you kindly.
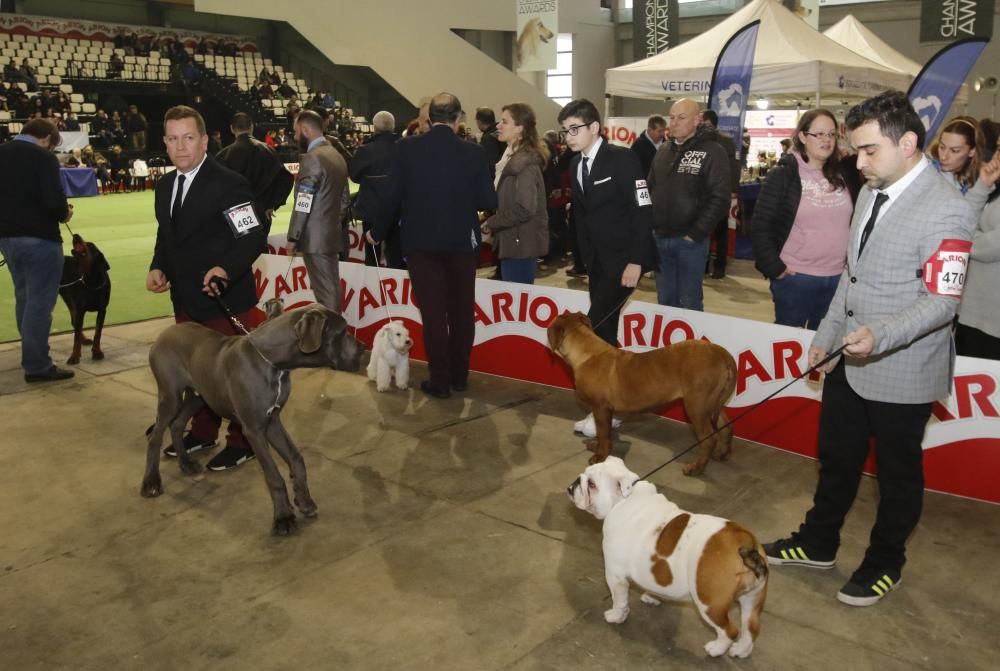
(642, 193)
(945, 271)
(304, 195)
(242, 219)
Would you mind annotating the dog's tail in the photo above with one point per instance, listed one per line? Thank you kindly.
(755, 560)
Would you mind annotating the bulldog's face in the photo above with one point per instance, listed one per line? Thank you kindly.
(562, 325)
(397, 337)
(602, 486)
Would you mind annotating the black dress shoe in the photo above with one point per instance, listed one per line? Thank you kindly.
(459, 386)
(52, 374)
(431, 390)
(719, 274)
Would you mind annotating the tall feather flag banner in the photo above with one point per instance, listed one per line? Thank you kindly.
(729, 92)
(934, 89)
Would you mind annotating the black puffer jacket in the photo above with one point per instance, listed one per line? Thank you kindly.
(776, 208)
(690, 187)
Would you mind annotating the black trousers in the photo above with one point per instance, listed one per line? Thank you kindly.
(970, 341)
(721, 238)
(445, 288)
(847, 422)
(606, 298)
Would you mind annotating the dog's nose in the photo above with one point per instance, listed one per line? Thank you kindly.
(409, 342)
(576, 483)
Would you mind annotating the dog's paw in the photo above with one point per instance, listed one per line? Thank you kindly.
(649, 599)
(693, 469)
(402, 387)
(616, 615)
(742, 647)
(74, 359)
(189, 466)
(97, 355)
(718, 647)
(382, 387)
(87, 341)
(308, 509)
(151, 487)
(284, 526)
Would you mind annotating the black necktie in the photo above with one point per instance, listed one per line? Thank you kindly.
(586, 174)
(178, 199)
(880, 199)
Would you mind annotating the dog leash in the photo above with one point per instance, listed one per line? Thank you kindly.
(753, 407)
(378, 272)
(617, 308)
(220, 285)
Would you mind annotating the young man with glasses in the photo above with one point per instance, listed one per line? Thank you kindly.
(612, 211)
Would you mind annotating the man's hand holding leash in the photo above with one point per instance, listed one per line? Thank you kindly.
(859, 343)
(212, 288)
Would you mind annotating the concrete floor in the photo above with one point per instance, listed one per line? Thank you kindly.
(445, 539)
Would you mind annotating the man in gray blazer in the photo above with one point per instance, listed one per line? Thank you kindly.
(314, 228)
(892, 312)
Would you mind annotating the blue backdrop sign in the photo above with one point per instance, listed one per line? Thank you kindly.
(934, 89)
(729, 92)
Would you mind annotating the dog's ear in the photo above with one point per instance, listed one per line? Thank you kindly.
(584, 320)
(626, 483)
(309, 330)
(556, 331)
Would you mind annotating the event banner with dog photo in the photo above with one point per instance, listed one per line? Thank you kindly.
(961, 444)
(537, 27)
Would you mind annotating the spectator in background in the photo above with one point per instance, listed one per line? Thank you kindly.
(369, 169)
(34, 205)
(118, 166)
(115, 67)
(100, 128)
(215, 142)
(721, 233)
(75, 159)
(29, 75)
(958, 152)
(991, 137)
(646, 144)
(139, 172)
(786, 146)
(486, 121)
(72, 123)
(117, 127)
(136, 127)
(978, 330)
(285, 90)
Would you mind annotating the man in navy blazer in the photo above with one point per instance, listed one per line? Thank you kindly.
(206, 228)
(439, 184)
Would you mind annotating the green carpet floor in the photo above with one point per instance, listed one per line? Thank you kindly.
(124, 227)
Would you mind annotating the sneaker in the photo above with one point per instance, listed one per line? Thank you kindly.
(230, 457)
(51, 375)
(867, 589)
(588, 427)
(191, 443)
(789, 551)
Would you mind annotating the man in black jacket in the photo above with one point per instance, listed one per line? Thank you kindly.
(690, 186)
(206, 228)
(269, 180)
(646, 144)
(369, 169)
(721, 233)
(438, 184)
(34, 204)
(486, 120)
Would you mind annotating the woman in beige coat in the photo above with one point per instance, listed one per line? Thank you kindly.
(520, 227)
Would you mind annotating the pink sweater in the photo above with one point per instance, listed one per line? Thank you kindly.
(817, 243)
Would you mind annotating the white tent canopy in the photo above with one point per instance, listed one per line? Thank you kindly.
(855, 36)
(792, 59)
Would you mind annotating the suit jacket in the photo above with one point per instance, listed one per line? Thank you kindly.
(438, 183)
(611, 226)
(884, 290)
(201, 238)
(31, 193)
(319, 191)
(270, 181)
(370, 166)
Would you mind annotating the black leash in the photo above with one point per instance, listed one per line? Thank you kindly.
(753, 407)
(618, 307)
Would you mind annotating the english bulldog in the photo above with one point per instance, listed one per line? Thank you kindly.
(673, 554)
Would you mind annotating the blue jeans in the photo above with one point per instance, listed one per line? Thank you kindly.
(682, 268)
(518, 270)
(36, 267)
(802, 300)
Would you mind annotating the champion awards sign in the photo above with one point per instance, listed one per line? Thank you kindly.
(946, 20)
(654, 26)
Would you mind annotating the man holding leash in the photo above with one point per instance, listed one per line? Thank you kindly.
(906, 264)
(206, 228)
(315, 228)
(612, 214)
(34, 204)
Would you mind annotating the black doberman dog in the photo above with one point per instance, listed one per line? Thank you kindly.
(85, 287)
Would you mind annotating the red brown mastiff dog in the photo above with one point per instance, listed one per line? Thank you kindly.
(610, 380)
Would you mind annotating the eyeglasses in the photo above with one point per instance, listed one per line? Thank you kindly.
(573, 130)
(823, 135)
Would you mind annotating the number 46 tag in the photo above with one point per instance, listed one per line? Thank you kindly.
(945, 271)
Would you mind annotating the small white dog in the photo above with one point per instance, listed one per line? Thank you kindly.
(391, 352)
(675, 555)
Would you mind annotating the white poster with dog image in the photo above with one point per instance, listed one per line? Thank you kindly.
(537, 26)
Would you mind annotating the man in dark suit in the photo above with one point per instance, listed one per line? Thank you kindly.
(369, 169)
(721, 233)
(612, 212)
(206, 228)
(439, 184)
(33, 205)
(646, 144)
(486, 121)
(269, 179)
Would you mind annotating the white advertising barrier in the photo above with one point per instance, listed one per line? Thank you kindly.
(962, 441)
(355, 238)
(623, 130)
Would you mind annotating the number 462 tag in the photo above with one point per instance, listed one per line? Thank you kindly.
(242, 219)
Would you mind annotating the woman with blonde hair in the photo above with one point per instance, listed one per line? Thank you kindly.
(520, 226)
(958, 152)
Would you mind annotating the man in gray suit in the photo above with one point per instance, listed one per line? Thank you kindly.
(314, 228)
(906, 264)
